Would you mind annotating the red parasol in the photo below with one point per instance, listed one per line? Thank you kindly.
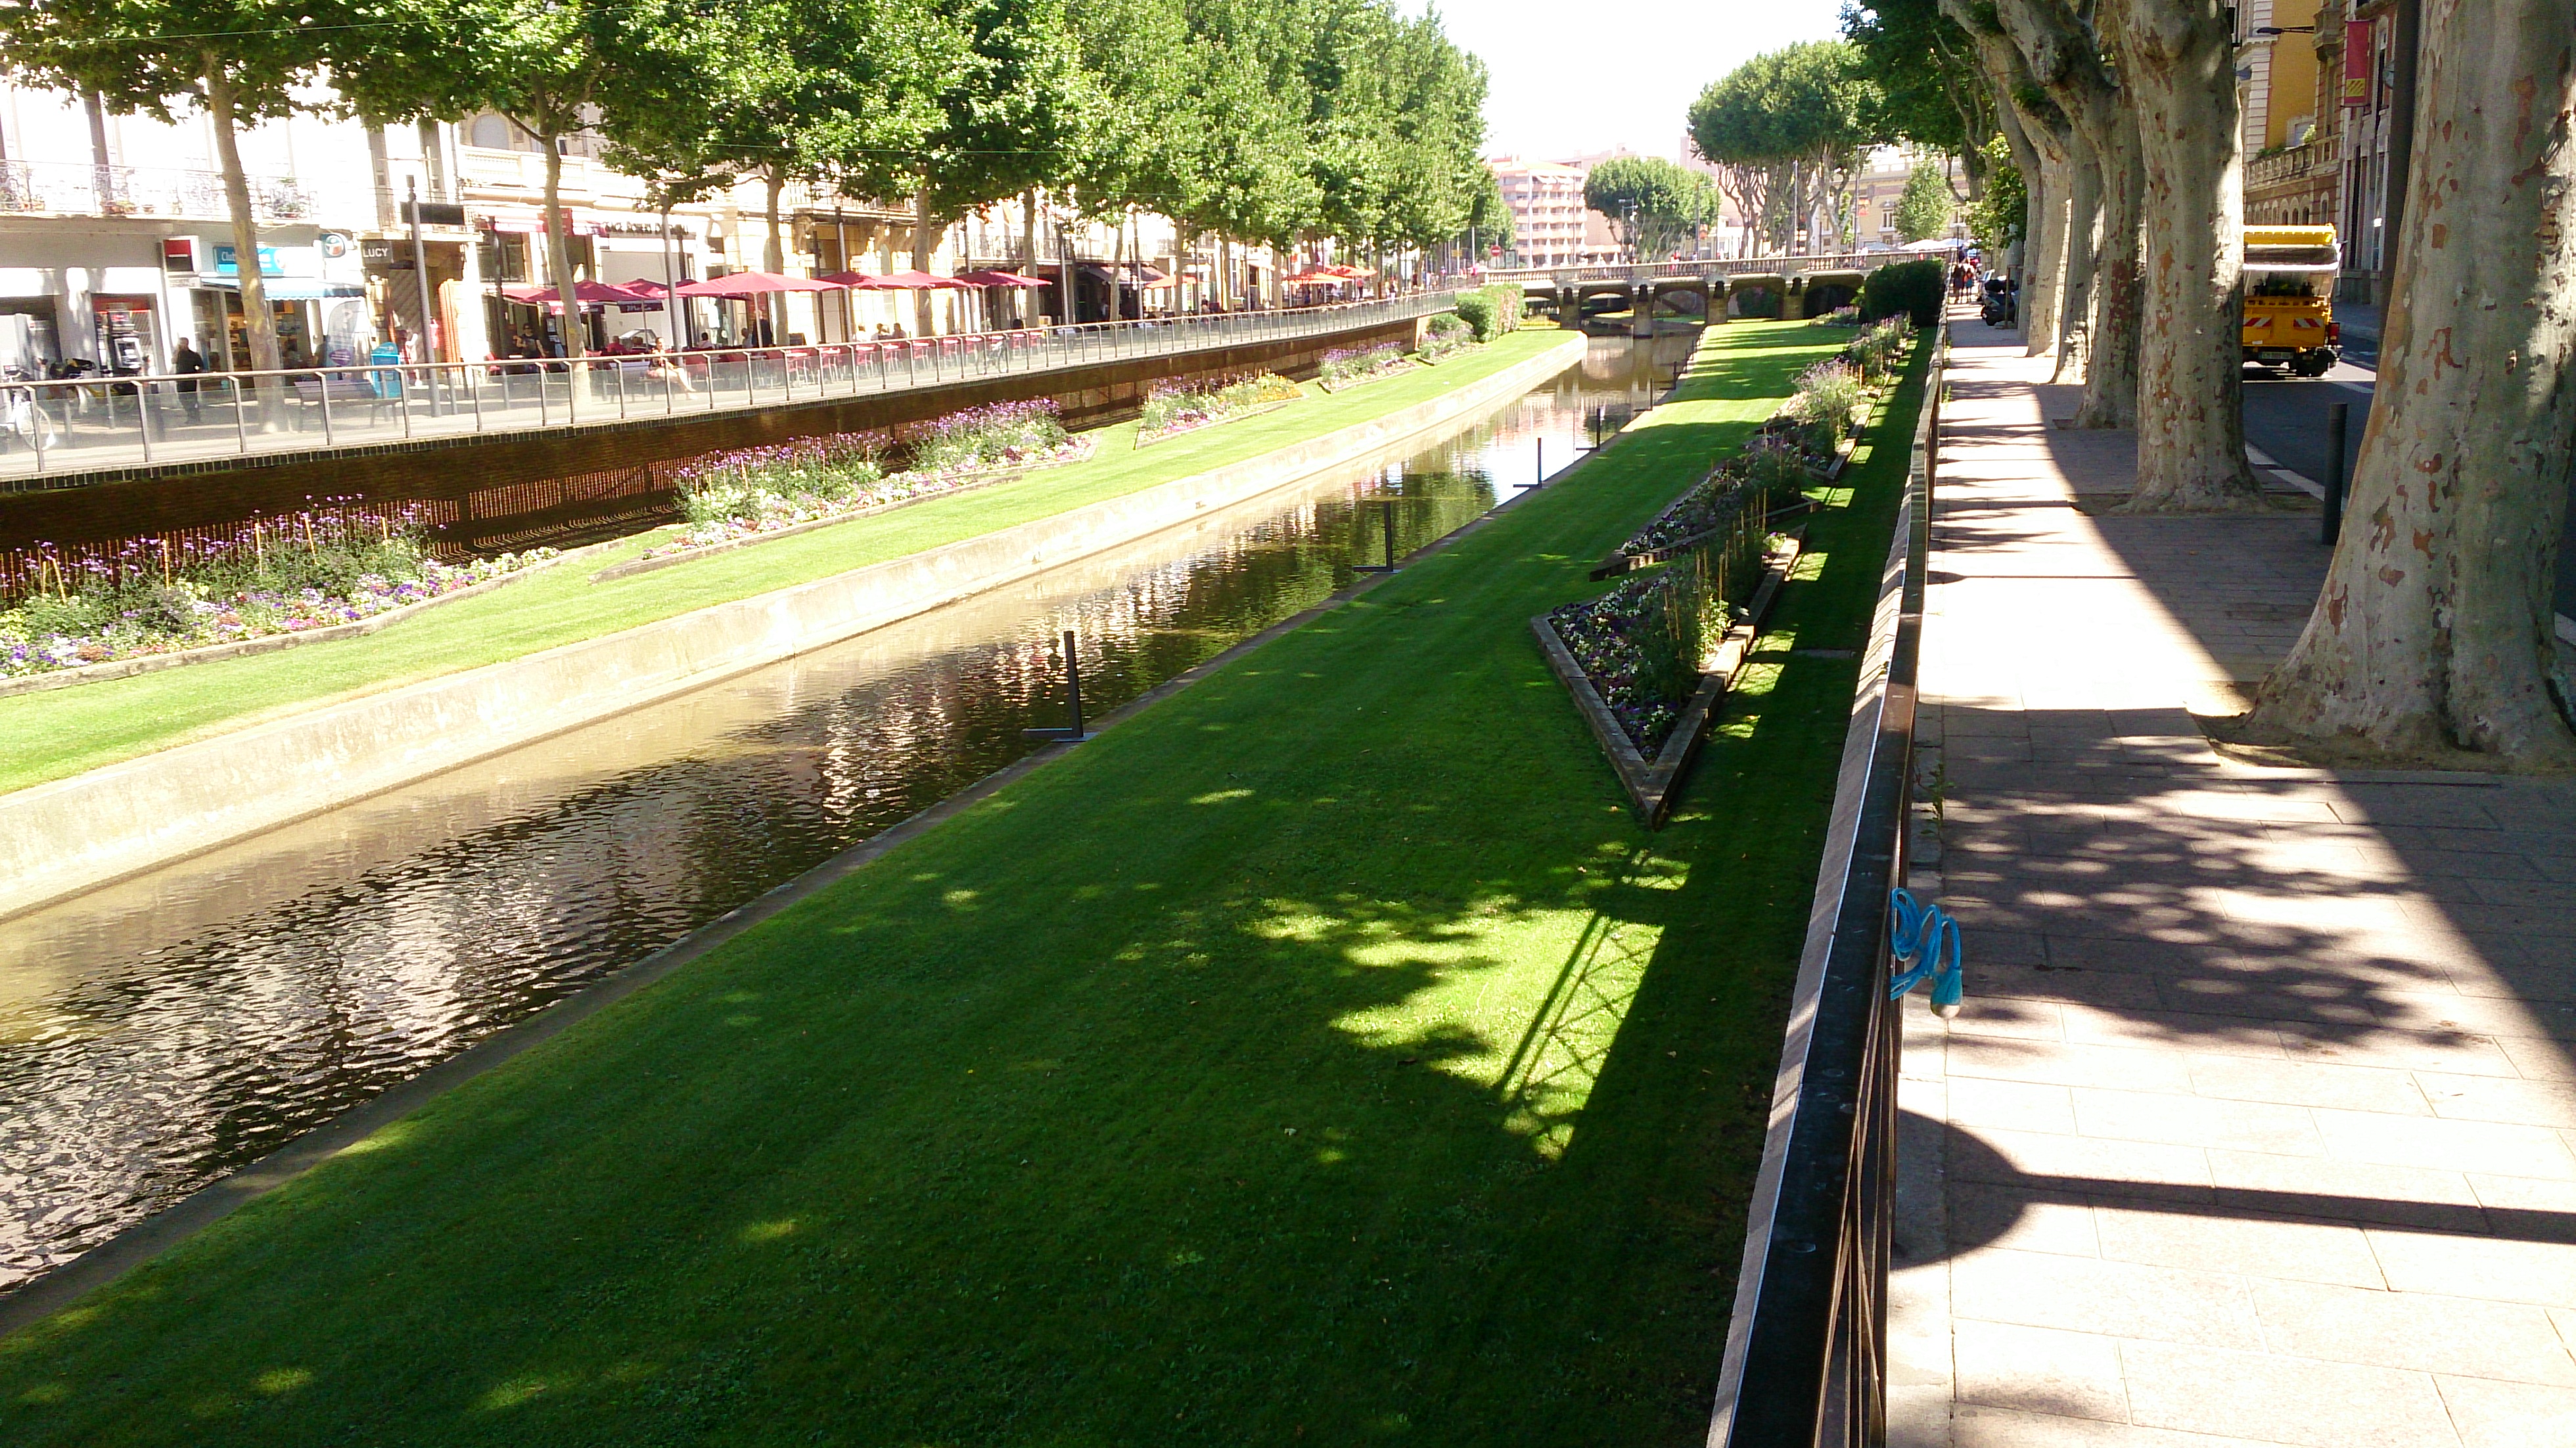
(916, 281)
(588, 294)
(754, 284)
(1000, 279)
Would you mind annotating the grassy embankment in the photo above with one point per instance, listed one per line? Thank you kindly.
(1323, 1056)
(65, 731)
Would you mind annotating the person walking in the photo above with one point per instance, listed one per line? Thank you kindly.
(188, 362)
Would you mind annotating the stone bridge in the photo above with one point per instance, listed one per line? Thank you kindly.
(1765, 286)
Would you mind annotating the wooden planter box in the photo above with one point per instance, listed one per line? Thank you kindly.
(1651, 783)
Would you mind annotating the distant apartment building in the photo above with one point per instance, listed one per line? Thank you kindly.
(1548, 215)
(1554, 228)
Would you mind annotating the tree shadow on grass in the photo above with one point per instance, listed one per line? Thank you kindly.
(1324, 1058)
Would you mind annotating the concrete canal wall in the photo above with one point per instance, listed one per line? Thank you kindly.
(506, 490)
(61, 838)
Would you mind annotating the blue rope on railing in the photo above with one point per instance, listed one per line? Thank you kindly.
(1925, 941)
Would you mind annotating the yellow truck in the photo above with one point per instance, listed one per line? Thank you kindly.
(2289, 282)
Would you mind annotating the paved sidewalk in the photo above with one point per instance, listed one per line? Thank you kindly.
(2260, 1125)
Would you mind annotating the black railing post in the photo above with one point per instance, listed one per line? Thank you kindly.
(1074, 734)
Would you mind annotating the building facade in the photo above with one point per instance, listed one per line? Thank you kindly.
(2329, 120)
(116, 243)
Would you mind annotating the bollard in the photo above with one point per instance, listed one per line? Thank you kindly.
(1542, 463)
(1072, 697)
(2338, 421)
(1386, 515)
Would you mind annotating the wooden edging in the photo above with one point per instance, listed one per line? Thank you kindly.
(1618, 564)
(107, 669)
(1651, 784)
(1250, 412)
(633, 566)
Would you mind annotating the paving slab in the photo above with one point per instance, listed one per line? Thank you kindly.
(2259, 1126)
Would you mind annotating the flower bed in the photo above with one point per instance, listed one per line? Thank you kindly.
(1443, 337)
(1347, 367)
(1878, 352)
(1645, 644)
(732, 497)
(275, 576)
(1768, 469)
(1175, 407)
(1846, 315)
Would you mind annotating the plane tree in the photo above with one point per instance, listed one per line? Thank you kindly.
(2433, 634)
(238, 62)
(1653, 204)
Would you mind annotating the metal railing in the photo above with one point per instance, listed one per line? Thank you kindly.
(1806, 1351)
(53, 430)
(1712, 266)
(68, 188)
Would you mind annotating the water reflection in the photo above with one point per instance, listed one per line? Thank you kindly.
(158, 1033)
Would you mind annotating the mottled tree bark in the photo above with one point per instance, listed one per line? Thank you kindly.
(2065, 57)
(925, 242)
(2433, 632)
(2043, 147)
(2082, 250)
(2179, 64)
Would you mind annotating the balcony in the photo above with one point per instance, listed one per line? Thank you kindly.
(62, 188)
(2290, 166)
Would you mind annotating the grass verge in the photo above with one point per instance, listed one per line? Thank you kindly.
(63, 732)
(1322, 1056)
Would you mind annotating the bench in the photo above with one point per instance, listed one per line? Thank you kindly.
(313, 391)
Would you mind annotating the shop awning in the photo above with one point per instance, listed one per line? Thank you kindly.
(285, 289)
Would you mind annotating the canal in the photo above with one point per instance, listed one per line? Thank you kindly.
(161, 1032)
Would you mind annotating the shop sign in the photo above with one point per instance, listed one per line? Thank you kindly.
(2356, 62)
(333, 245)
(228, 261)
(384, 256)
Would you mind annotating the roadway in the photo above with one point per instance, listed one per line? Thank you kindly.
(2285, 420)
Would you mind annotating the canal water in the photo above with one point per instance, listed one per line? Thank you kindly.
(161, 1032)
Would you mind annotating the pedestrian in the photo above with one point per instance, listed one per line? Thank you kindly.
(188, 362)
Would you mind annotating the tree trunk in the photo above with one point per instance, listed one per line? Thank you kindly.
(1118, 271)
(559, 248)
(2043, 289)
(2080, 257)
(2111, 344)
(924, 242)
(2181, 73)
(258, 322)
(773, 253)
(2433, 633)
(2064, 56)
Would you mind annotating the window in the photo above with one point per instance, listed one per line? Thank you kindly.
(492, 133)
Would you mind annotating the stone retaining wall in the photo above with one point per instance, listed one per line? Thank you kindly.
(70, 835)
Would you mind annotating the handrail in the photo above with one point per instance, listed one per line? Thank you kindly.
(52, 426)
(1710, 266)
(1806, 1350)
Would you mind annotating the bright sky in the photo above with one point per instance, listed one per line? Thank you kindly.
(1570, 78)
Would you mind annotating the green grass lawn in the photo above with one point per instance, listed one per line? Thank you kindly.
(1323, 1056)
(65, 731)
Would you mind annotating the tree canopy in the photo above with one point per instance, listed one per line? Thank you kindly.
(1654, 204)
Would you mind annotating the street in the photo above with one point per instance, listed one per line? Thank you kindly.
(2285, 418)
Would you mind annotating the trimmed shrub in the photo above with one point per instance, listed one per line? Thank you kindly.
(1756, 303)
(1478, 310)
(1493, 310)
(1911, 289)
